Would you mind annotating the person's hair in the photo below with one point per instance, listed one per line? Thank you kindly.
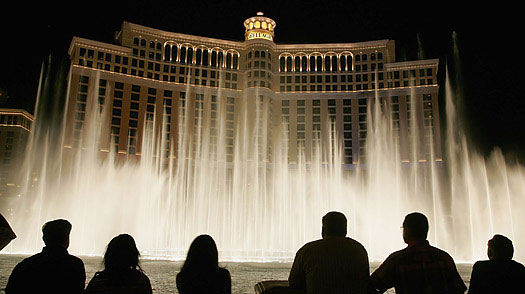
(334, 224)
(501, 247)
(417, 225)
(202, 256)
(121, 254)
(56, 232)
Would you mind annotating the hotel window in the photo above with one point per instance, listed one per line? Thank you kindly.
(327, 63)
(335, 66)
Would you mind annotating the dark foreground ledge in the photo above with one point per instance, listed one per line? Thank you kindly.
(275, 287)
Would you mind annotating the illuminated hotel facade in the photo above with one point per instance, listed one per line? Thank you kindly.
(15, 130)
(154, 73)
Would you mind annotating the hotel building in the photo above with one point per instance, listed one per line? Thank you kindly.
(15, 129)
(308, 92)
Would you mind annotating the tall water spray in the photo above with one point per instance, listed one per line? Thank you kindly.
(260, 210)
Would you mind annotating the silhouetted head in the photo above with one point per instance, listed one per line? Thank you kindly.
(334, 225)
(56, 233)
(500, 247)
(121, 254)
(415, 227)
(202, 255)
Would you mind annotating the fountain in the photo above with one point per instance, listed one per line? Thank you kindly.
(264, 211)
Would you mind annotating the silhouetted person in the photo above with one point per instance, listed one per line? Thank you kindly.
(201, 273)
(333, 264)
(420, 267)
(499, 274)
(122, 273)
(51, 271)
(6, 233)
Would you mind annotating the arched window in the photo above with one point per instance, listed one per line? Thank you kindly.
(335, 65)
(263, 54)
(297, 63)
(343, 62)
(349, 63)
(327, 60)
(256, 54)
(304, 63)
(167, 53)
(358, 58)
(152, 44)
(235, 61)
(182, 56)
(269, 55)
(282, 64)
(372, 56)
(205, 57)
(312, 63)
(143, 43)
(250, 54)
(319, 63)
(198, 56)
(190, 55)
(159, 46)
(174, 53)
(220, 58)
(136, 41)
(214, 58)
(364, 57)
(228, 60)
(289, 63)
(379, 56)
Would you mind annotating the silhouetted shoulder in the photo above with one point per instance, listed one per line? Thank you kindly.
(75, 260)
(132, 282)
(355, 243)
(223, 273)
(310, 244)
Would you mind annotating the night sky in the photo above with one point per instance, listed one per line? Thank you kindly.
(488, 35)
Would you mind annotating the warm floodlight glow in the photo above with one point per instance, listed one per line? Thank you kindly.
(259, 206)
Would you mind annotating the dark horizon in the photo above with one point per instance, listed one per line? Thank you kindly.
(487, 75)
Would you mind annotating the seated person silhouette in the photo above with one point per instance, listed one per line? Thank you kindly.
(200, 273)
(122, 273)
(53, 270)
(420, 267)
(499, 274)
(333, 264)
